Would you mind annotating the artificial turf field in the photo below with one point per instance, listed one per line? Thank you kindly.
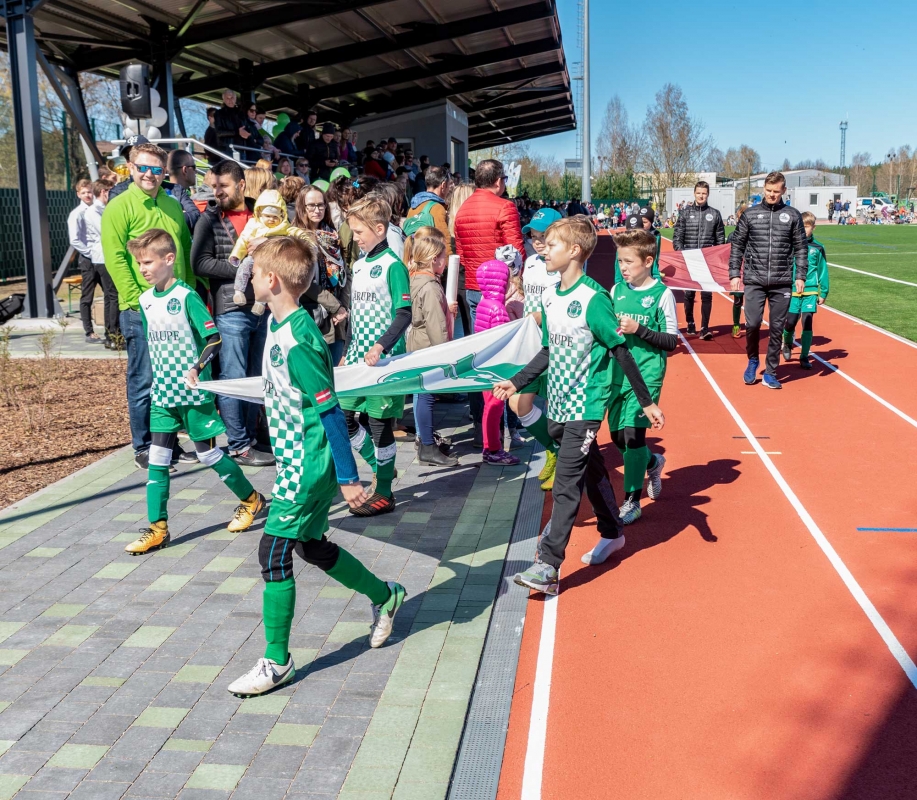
(889, 250)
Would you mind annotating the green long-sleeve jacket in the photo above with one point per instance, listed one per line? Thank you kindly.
(817, 277)
(127, 216)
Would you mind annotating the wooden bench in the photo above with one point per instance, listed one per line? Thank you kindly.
(73, 282)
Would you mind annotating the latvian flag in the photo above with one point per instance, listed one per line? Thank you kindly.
(706, 270)
(210, 325)
(323, 396)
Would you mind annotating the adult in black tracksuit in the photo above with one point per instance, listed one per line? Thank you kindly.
(698, 226)
(771, 240)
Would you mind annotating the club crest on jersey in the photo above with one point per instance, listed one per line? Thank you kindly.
(709, 217)
(276, 356)
(784, 217)
(376, 271)
(174, 306)
(574, 309)
(646, 302)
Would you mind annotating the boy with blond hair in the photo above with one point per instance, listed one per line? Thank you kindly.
(380, 314)
(182, 339)
(805, 303)
(579, 341)
(310, 442)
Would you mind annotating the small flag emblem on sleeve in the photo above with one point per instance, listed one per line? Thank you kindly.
(323, 396)
(406, 297)
(210, 325)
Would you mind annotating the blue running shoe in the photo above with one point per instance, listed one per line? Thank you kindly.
(751, 371)
(770, 381)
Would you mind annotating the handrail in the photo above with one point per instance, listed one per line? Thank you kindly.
(186, 140)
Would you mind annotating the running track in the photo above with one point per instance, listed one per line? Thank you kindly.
(723, 656)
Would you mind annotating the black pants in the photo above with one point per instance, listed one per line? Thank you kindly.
(706, 304)
(110, 295)
(807, 318)
(778, 300)
(579, 461)
(275, 554)
(91, 279)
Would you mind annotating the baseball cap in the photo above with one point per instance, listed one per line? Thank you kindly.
(542, 220)
(137, 138)
(648, 213)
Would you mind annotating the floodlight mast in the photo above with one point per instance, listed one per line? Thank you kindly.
(587, 145)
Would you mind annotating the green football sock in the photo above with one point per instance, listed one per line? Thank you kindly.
(231, 474)
(788, 336)
(806, 342)
(635, 461)
(385, 469)
(539, 429)
(351, 573)
(157, 493)
(362, 443)
(279, 603)
(736, 313)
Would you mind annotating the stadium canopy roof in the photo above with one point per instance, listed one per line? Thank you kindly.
(501, 61)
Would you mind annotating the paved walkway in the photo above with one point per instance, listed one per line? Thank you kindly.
(28, 338)
(113, 670)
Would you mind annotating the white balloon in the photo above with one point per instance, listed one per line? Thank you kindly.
(127, 132)
(152, 133)
(159, 117)
(154, 97)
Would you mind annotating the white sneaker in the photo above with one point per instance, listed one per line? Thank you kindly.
(630, 512)
(600, 553)
(654, 478)
(384, 615)
(263, 677)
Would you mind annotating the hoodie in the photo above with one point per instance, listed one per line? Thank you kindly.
(493, 279)
(256, 229)
(435, 206)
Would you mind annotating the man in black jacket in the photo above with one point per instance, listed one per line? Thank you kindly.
(323, 157)
(229, 122)
(243, 333)
(771, 240)
(699, 226)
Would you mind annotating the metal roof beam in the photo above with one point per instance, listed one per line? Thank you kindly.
(506, 140)
(507, 126)
(508, 114)
(511, 133)
(513, 98)
(419, 36)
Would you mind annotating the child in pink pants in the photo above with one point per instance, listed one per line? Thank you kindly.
(493, 279)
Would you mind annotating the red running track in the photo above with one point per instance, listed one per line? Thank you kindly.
(722, 656)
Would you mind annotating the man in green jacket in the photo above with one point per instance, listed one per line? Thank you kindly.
(144, 205)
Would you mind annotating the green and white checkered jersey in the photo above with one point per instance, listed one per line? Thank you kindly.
(579, 328)
(380, 286)
(177, 325)
(535, 277)
(653, 307)
(298, 385)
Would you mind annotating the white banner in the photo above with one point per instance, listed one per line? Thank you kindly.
(471, 364)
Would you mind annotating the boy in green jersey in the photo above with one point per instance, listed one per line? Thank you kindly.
(314, 461)
(804, 304)
(579, 341)
(636, 222)
(380, 314)
(645, 309)
(182, 339)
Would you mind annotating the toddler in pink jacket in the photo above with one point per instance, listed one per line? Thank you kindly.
(493, 280)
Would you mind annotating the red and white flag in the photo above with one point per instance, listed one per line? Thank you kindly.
(705, 270)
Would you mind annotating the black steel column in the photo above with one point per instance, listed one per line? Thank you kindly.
(161, 74)
(33, 201)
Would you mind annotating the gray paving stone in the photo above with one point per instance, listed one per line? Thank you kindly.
(102, 729)
(23, 762)
(234, 748)
(140, 743)
(98, 790)
(56, 779)
(162, 785)
(261, 788)
(117, 769)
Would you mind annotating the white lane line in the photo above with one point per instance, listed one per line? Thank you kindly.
(872, 274)
(876, 328)
(872, 613)
(754, 452)
(533, 772)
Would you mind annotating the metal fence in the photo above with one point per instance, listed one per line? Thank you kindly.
(12, 258)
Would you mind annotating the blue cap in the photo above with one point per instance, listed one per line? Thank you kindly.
(542, 220)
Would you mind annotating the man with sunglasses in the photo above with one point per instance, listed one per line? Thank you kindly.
(137, 209)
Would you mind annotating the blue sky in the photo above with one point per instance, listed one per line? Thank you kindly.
(777, 76)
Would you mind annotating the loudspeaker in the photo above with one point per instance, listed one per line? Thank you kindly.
(135, 91)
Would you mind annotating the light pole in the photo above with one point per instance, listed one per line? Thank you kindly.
(587, 144)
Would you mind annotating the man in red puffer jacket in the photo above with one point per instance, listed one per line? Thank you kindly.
(485, 222)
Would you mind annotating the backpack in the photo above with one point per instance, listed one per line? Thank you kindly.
(423, 219)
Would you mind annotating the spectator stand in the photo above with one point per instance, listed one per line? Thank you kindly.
(504, 70)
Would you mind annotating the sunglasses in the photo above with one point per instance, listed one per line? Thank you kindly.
(144, 168)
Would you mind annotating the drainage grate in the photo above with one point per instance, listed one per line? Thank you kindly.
(476, 774)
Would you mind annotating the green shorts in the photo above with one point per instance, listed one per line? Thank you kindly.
(201, 422)
(625, 412)
(538, 386)
(302, 522)
(808, 303)
(378, 407)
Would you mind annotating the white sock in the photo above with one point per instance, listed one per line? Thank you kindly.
(603, 549)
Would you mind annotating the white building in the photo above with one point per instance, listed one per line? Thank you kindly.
(815, 198)
(796, 177)
(723, 199)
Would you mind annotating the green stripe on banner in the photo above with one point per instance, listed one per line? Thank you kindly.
(473, 363)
